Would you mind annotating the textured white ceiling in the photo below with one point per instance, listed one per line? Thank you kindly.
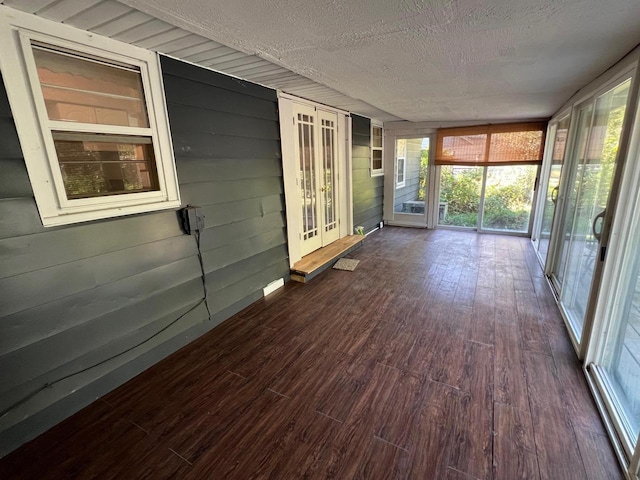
(426, 60)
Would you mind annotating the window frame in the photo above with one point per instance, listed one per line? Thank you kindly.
(376, 172)
(403, 183)
(17, 32)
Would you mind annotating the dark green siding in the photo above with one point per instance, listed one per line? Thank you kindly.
(73, 296)
(367, 190)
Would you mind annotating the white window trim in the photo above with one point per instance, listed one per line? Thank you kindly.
(404, 165)
(17, 29)
(376, 172)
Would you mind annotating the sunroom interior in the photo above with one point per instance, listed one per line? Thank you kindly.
(167, 167)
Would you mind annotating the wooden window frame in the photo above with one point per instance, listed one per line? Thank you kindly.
(18, 31)
(376, 172)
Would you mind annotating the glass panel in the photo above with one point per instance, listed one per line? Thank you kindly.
(584, 123)
(376, 137)
(508, 198)
(92, 165)
(411, 197)
(515, 146)
(377, 159)
(559, 138)
(330, 170)
(621, 359)
(306, 146)
(593, 184)
(88, 91)
(460, 189)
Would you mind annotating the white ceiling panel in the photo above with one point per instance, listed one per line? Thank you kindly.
(425, 60)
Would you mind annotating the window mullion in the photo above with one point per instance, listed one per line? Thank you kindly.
(61, 126)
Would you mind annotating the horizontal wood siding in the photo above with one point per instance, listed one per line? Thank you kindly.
(73, 296)
(412, 175)
(367, 190)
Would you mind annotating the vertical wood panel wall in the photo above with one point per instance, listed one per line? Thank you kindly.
(73, 296)
(367, 190)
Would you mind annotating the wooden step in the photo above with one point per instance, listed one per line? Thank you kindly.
(317, 262)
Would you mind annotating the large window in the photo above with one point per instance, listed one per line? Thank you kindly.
(92, 122)
(488, 175)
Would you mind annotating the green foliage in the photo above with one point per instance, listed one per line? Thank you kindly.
(424, 163)
(461, 190)
(507, 200)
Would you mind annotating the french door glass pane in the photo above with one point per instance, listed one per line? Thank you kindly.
(553, 185)
(410, 198)
(508, 198)
(308, 188)
(591, 191)
(330, 171)
(460, 189)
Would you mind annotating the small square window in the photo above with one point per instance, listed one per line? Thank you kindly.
(104, 147)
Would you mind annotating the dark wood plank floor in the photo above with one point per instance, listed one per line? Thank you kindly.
(442, 356)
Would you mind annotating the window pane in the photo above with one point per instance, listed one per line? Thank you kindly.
(377, 159)
(460, 189)
(92, 165)
(376, 141)
(411, 197)
(592, 188)
(87, 91)
(508, 197)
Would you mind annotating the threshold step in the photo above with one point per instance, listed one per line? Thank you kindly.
(317, 262)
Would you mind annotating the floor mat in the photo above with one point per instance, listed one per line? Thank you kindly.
(348, 264)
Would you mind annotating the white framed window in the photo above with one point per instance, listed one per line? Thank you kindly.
(377, 143)
(92, 121)
(401, 161)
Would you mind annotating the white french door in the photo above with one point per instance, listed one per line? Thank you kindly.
(316, 152)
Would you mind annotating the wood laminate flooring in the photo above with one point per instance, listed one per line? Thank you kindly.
(443, 356)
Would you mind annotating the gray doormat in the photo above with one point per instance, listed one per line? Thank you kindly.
(348, 264)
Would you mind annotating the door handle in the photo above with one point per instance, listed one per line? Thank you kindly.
(600, 216)
(554, 194)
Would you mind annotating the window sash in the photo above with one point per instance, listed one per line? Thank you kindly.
(30, 41)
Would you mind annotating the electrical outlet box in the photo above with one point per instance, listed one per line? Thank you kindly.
(192, 219)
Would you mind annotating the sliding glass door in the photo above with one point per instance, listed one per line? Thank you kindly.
(593, 160)
(550, 188)
(614, 357)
